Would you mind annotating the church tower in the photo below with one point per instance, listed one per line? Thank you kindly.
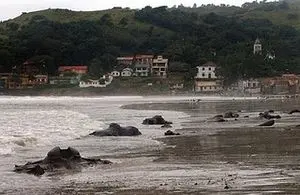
(257, 48)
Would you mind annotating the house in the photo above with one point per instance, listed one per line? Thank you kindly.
(66, 80)
(141, 70)
(115, 73)
(144, 59)
(41, 79)
(77, 69)
(92, 83)
(125, 61)
(159, 67)
(102, 82)
(286, 84)
(206, 79)
(207, 71)
(126, 72)
(250, 86)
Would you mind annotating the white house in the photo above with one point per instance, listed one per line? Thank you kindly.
(115, 73)
(126, 72)
(103, 82)
(91, 83)
(206, 71)
(159, 67)
(206, 79)
(141, 70)
(250, 86)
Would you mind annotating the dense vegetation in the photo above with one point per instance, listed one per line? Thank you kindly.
(187, 36)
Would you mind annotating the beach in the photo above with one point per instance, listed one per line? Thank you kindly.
(236, 157)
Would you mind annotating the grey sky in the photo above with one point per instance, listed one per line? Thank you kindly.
(13, 8)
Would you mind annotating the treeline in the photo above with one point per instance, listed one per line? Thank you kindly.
(185, 38)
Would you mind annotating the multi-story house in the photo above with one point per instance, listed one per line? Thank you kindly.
(206, 79)
(141, 70)
(159, 67)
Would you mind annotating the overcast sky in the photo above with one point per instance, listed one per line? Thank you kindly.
(13, 8)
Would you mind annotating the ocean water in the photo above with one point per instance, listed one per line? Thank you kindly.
(31, 126)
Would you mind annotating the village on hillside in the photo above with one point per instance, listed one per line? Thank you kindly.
(206, 78)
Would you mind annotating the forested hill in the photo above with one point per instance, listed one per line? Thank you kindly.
(190, 36)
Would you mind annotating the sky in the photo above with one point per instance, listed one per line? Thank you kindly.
(12, 8)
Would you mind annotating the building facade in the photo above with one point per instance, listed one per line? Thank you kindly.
(206, 79)
(159, 67)
(141, 70)
(257, 47)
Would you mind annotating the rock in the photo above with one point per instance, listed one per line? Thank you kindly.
(271, 111)
(57, 158)
(268, 123)
(156, 120)
(169, 132)
(166, 126)
(267, 115)
(294, 111)
(218, 116)
(231, 115)
(218, 119)
(246, 116)
(115, 129)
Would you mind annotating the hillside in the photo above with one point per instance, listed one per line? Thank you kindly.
(224, 34)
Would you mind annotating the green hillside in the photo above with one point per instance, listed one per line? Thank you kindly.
(189, 36)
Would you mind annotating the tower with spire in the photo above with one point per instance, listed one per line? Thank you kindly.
(257, 47)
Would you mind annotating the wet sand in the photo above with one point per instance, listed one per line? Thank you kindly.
(237, 155)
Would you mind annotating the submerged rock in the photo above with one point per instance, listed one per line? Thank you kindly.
(115, 129)
(268, 123)
(169, 132)
(268, 116)
(156, 120)
(57, 158)
(231, 115)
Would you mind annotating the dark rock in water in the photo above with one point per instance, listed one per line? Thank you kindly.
(219, 119)
(169, 132)
(231, 115)
(246, 116)
(57, 158)
(268, 116)
(268, 123)
(294, 111)
(166, 126)
(115, 129)
(156, 120)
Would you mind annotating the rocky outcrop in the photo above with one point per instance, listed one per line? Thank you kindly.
(231, 115)
(156, 120)
(115, 129)
(294, 111)
(58, 158)
(268, 123)
(169, 132)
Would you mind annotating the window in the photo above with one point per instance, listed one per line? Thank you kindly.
(203, 68)
(209, 68)
(203, 75)
(162, 69)
(209, 75)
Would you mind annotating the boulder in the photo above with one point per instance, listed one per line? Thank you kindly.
(231, 115)
(57, 158)
(115, 129)
(268, 123)
(268, 116)
(169, 132)
(294, 111)
(156, 120)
